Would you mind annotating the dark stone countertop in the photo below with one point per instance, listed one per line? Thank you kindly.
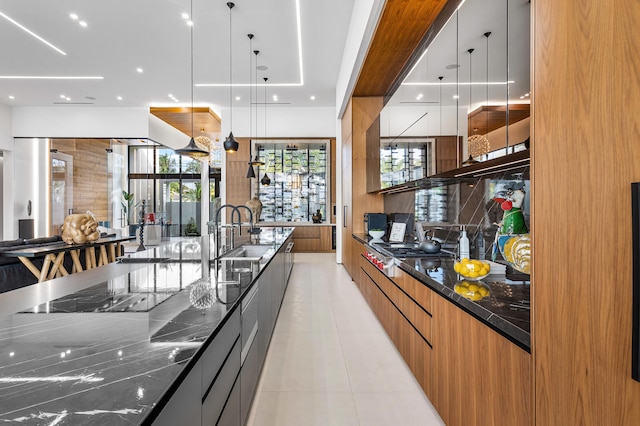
(103, 346)
(506, 310)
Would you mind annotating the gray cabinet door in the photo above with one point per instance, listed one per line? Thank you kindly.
(231, 413)
(217, 396)
(249, 380)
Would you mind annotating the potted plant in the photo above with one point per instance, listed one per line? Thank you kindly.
(127, 208)
(191, 229)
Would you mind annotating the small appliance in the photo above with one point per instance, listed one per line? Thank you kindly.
(375, 221)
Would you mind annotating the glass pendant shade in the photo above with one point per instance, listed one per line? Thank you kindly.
(231, 144)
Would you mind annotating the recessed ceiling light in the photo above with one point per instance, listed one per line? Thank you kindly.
(139, 70)
(456, 97)
(73, 16)
(262, 67)
(190, 23)
(185, 15)
(313, 98)
(119, 98)
(62, 96)
(11, 97)
(237, 98)
(83, 24)
(31, 33)
(521, 97)
(275, 97)
(526, 94)
(452, 66)
(68, 98)
(91, 98)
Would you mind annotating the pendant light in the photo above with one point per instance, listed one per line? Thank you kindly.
(470, 139)
(265, 179)
(251, 173)
(256, 161)
(192, 149)
(230, 144)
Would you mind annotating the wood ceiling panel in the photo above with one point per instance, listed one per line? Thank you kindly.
(403, 27)
(180, 118)
(488, 118)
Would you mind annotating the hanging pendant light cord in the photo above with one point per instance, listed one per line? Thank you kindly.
(191, 33)
(230, 4)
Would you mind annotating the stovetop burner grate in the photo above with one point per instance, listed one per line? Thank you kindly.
(408, 250)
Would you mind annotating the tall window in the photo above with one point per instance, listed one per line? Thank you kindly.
(171, 186)
(298, 189)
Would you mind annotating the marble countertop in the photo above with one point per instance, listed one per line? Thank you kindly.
(506, 310)
(296, 224)
(102, 346)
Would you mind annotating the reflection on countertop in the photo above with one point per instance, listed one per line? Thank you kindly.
(102, 346)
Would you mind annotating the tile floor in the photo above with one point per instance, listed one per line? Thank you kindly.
(330, 361)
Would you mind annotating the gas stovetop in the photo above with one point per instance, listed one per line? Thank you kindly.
(406, 250)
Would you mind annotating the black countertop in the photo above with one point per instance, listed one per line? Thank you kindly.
(102, 346)
(506, 310)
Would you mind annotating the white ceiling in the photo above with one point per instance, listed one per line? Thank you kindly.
(122, 35)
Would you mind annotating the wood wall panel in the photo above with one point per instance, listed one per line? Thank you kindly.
(401, 29)
(586, 95)
(365, 112)
(90, 177)
(347, 200)
(312, 239)
(236, 183)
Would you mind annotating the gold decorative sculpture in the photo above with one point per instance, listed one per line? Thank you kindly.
(80, 229)
(255, 205)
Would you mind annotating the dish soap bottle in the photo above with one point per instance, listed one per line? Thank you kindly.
(463, 244)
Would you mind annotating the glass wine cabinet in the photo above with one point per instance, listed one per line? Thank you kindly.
(298, 175)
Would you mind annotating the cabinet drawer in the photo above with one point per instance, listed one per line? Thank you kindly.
(216, 398)
(249, 319)
(414, 288)
(217, 352)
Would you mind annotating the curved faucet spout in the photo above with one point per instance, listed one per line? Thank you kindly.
(250, 216)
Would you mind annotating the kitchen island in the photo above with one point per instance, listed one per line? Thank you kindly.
(161, 338)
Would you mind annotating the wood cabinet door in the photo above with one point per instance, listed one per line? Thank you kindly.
(479, 377)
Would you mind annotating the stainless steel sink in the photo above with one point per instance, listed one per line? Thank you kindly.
(251, 252)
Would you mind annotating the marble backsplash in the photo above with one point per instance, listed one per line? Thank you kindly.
(446, 209)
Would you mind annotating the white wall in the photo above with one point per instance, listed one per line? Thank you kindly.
(6, 179)
(6, 141)
(364, 18)
(80, 122)
(282, 122)
(30, 170)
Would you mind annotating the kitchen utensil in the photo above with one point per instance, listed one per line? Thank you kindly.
(429, 245)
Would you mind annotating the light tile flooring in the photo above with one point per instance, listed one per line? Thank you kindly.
(330, 361)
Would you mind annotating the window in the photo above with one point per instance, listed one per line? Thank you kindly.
(170, 184)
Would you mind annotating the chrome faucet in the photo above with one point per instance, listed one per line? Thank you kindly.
(235, 209)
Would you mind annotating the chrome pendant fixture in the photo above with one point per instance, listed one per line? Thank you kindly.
(230, 144)
(192, 149)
